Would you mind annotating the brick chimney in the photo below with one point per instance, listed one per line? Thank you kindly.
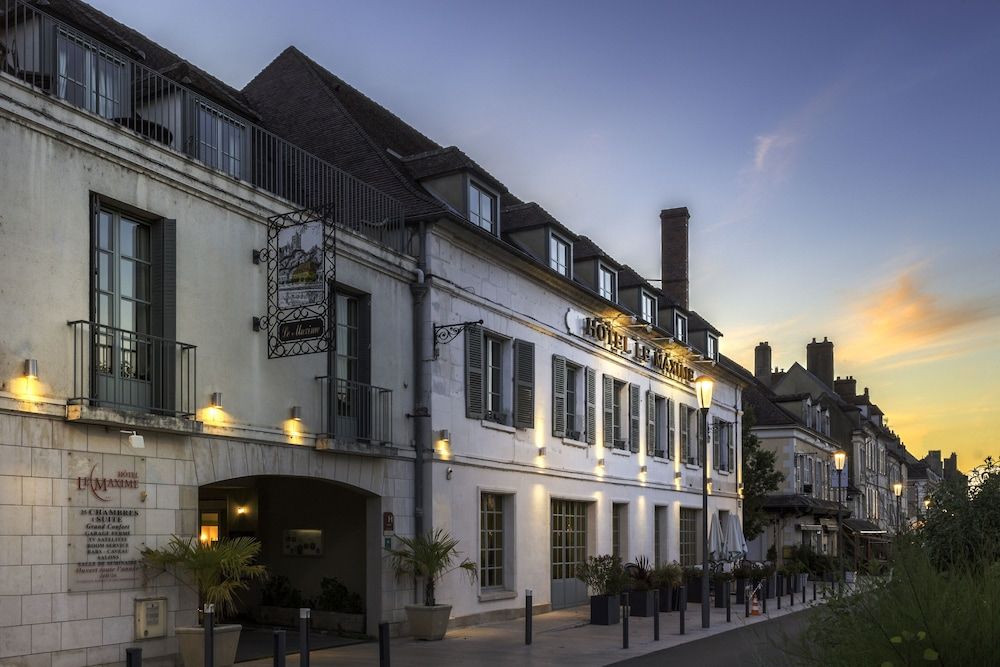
(762, 363)
(674, 254)
(846, 388)
(819, 360)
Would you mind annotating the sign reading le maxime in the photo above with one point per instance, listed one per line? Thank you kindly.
(635, 349)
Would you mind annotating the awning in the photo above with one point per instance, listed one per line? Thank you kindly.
(866, 530)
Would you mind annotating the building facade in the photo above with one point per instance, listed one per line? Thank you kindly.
(183, 354)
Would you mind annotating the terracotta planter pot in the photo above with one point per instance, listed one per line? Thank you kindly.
(428, 622)
(191, 645)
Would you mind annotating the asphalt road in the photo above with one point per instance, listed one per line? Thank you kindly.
(760, 644)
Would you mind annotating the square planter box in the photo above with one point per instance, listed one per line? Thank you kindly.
(668, 598)
(604, 610)
(721, 589)
(694, 589)
(338, 621)
(640, 603)
(741, 590)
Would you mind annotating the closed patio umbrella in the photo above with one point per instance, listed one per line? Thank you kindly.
(716, 547)
(736, 543)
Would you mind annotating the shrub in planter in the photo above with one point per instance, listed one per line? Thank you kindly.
(743, 575)
(640, 586)
(429, 557)
(693, 577)
(334, 596)
(605, 579)
(668, 578)
(721, 584)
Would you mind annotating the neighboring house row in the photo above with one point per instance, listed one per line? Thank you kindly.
(481, 368)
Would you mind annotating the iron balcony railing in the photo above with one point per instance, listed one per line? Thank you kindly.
(361, 412)
(53, 57)
(127, 370)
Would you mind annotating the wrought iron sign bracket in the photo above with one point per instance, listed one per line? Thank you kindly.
(445, 333)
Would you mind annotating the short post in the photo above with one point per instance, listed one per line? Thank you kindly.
(778, 598)
(814, 591)
(763, 598)
(383, 645)
(682, 603)
(209, 635)
(656, 614)
(804, 592)
(527, 616)
(746, 599)
(133, 657)
(624, 599)
(304, 615)
(791, 596)
(279, 648)
(729, 603)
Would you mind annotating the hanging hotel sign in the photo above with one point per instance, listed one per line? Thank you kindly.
(618, 340)
(300, 266)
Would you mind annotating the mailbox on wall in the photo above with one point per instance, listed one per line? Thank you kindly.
(150, 618)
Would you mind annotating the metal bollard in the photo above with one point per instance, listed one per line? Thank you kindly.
(304, 615)
(804, 592)
(279, 648)
(527, 616)
(746, 599)
(767, 592)
(656, 614)
(383, 645)
(791, 597)
(209, 635)
(133, 657)
(624, 620)
(778, 598)
(682, 604)
(814, 591)
(729, 603)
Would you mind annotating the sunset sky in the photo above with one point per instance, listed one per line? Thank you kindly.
(841, 161)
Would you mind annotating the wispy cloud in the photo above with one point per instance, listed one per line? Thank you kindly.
(771, 146)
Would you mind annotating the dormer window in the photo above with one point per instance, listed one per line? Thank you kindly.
(482, 208)
(713, 347)
(607, 283)
(680, 327)
(648, 307)
(559, 255)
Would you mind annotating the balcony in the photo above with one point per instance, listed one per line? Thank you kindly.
(124, 370)
(362, 413)
(56, 59)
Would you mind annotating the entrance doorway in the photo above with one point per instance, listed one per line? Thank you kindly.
(569, 551)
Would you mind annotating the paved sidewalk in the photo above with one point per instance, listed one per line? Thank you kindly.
(560, 638)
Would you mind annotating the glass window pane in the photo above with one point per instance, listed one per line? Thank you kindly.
(127, 315)
(104, 231)
(142, 286)
(104, 310)
(127, 237)
(127, 277)
(104, 279)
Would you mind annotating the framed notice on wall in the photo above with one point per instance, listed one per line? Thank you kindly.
(303, 542)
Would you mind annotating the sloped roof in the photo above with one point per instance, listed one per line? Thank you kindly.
(102, 27)
(530, 215)
(441, 161)
(698, 323)
(802, 504)
(584, 248)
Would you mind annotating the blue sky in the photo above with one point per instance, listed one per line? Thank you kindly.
(841, 160)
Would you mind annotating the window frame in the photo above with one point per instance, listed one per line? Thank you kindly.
(479, 192)
(645, 297)
(680, 326)
(688, 527)
(555, 240)
(619, 409)
(498, 414)
(498, 565)
(602, 270)
(713, 347)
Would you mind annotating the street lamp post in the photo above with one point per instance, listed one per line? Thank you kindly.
(839, 459)
(703, 387)
(897, 488)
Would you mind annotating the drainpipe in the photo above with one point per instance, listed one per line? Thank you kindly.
(421, 381)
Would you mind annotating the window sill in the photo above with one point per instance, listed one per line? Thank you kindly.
(490, 596)
(575, 443)
(692, 466)
(659, 459)
(497, 427)
(621, 452)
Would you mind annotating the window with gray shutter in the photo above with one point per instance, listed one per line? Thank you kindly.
(524, 384)
(671, 436)
(633, 418)
(650, 424)
(716, 452)
(590, 390)
(558, 396)
(687, 451)
(608, 406)
(474, 399)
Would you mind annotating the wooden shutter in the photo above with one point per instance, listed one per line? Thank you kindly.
(650, 424)
(671, 435)
(590, 391)
(474, 372)
(608, 405)
(524, 384)
(163, 313)
(633, 418)
(685, 419)
(558, 396)
(716, 449)
(731, 447)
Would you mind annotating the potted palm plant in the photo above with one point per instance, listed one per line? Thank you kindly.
(429, 557)
(605, 578)
(640, 596)
(218, 571)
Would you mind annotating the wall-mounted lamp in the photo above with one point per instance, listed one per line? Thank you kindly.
(449, 472)
(216, 401)
(135, 440)
(541, 451)
(677, 474)
(241, 510)
(296, 413)
(643, 468)
(444, 435)
(31, 369)
(600, 461)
